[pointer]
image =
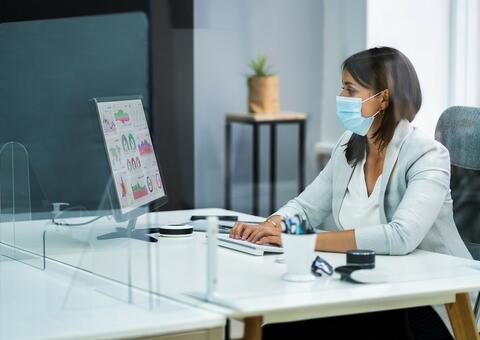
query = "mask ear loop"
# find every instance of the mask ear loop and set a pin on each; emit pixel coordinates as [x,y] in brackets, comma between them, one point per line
[376,113]
[366,100]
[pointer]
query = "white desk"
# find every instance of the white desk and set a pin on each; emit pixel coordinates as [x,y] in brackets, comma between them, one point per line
[250,287]
[63,303]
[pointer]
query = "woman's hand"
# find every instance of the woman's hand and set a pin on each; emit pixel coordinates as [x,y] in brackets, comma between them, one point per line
[263,233]
[242,230]
[267,235]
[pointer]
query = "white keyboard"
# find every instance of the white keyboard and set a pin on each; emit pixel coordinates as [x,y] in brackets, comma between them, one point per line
[247,247]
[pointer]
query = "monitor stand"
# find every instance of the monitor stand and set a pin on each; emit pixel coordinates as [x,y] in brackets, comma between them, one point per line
[131,232]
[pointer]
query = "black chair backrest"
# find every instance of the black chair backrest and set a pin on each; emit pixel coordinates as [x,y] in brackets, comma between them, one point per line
[459,130]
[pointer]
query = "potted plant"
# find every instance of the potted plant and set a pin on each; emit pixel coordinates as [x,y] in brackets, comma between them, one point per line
[262,88]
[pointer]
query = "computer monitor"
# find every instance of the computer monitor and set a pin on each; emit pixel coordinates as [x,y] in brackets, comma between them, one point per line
[136,179]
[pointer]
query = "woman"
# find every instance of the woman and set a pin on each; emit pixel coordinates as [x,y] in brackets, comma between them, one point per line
[386,184]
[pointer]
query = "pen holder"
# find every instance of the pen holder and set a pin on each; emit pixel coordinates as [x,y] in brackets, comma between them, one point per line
[299,253]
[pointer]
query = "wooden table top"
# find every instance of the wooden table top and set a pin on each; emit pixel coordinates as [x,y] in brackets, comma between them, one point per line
[266,117]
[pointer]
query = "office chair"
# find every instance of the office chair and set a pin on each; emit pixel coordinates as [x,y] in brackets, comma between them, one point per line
[458,129]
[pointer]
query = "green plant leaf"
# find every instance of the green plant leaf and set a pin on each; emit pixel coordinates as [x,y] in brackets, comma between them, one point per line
[259,66]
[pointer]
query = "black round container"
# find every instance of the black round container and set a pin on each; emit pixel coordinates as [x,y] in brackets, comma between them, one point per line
[361,258]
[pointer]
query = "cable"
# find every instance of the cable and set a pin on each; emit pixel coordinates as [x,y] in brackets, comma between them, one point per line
[73,224]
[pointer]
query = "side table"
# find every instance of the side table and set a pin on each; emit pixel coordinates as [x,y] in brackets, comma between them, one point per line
[255,120]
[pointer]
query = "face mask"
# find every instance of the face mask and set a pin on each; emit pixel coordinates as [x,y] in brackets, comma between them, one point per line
[349,113]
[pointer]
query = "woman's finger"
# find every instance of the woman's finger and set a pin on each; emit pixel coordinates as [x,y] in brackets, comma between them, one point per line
[243,228]
[266,231]
[247,232]
[273,239]
[232,231]
[253,234]
[261,233]
[238,229]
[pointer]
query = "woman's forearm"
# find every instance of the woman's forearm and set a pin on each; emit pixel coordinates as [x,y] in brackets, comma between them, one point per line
[333,241]
[336,241]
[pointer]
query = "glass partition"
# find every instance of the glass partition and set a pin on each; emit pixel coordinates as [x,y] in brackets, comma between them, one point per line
[21,242]
[87,173]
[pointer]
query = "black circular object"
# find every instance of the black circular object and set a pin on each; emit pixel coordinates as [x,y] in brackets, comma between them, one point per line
[361,258]
[175,230]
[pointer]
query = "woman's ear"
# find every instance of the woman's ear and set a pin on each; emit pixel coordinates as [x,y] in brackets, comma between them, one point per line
[385,99]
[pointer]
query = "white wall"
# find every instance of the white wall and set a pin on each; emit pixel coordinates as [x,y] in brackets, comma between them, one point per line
[344,33]
[465,52]
[419,29]
[478,54]
[228,34]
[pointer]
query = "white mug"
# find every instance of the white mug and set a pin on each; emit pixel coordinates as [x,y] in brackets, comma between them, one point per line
[299,252]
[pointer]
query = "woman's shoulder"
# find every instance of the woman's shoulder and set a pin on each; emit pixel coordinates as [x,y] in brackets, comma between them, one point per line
[342,142]
[421,148]
[420,142]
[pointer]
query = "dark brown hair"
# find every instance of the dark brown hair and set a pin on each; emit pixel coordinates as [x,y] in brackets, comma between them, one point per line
[378,69]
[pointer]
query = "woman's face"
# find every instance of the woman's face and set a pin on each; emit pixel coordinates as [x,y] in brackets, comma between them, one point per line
[352,88]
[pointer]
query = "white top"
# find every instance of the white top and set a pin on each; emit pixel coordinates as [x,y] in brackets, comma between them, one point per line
[358,209]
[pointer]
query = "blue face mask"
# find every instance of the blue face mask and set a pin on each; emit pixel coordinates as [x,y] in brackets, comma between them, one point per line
[349,113]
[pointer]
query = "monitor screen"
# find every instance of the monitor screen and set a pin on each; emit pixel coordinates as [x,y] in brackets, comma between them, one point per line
[134,169]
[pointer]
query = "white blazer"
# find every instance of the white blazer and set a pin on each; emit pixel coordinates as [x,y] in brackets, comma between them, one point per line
[415,201]
[416,207]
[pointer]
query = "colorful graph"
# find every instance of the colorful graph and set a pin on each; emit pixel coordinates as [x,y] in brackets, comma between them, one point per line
[131,141]
[145,147]
[115,152]
[149,184]
[126,146]
[123,188]
[134,164]
[139,191]
[108,125]
[121,116]
[128,143]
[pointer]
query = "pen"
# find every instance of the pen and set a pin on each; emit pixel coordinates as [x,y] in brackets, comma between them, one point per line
[301,226]
[293,226]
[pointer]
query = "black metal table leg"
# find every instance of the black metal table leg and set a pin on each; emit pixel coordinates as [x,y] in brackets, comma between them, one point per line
[301,157]
[228,165]
[255,169]
[273,166]
[256,122]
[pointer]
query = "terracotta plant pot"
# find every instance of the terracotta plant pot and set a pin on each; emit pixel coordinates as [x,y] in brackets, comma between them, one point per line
[263,95]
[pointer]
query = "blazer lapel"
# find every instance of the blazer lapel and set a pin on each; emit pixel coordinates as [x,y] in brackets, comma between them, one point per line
[342,174]
[402,131]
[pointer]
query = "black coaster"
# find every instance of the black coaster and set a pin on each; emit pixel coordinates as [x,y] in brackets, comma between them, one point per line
[175,230]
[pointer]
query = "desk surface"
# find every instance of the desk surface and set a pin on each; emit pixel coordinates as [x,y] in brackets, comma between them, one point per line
[251,286]
[62,302]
